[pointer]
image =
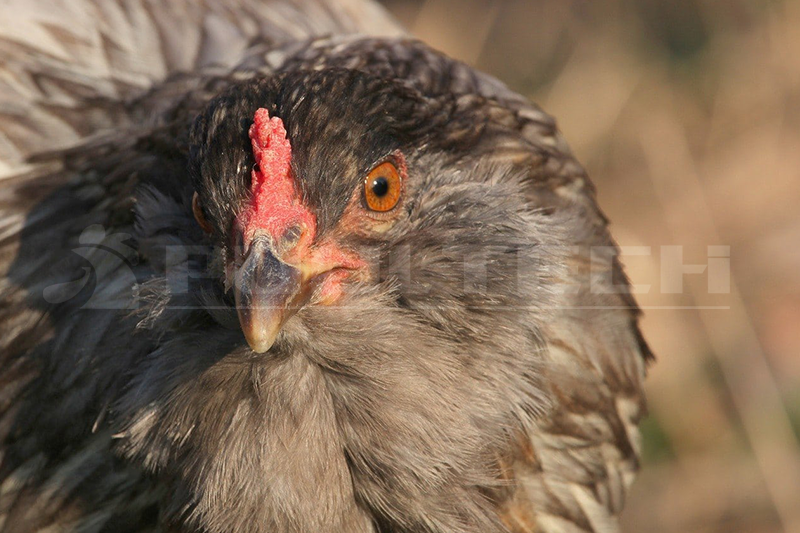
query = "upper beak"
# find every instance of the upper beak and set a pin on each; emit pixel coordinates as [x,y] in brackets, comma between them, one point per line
[267,292]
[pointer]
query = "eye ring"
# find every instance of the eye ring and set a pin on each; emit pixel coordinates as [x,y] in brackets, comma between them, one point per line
[383,187]
[197,211]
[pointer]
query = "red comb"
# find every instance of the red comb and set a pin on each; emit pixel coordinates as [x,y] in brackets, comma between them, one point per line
[276,202]
[271,149]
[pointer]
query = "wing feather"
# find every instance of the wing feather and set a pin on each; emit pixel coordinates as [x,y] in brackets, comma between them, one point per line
[66,65]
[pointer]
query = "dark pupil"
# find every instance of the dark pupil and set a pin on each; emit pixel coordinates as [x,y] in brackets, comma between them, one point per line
[380,186]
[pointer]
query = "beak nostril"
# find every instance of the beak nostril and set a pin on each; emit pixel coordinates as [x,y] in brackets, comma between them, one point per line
[288,241]
[292,236]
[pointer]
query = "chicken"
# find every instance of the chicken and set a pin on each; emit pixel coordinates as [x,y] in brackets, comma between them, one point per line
[273,266]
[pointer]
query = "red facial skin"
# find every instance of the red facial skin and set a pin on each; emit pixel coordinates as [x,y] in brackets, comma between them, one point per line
[277,205]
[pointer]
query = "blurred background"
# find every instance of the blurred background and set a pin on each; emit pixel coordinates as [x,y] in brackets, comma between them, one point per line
[685,114]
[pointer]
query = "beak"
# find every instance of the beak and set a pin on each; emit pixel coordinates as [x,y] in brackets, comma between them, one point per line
[267,292]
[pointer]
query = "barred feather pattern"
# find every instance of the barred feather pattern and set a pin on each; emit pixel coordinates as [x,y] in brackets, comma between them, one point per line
[94,97]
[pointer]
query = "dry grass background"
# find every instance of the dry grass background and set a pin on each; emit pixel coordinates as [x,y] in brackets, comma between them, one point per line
[686,114]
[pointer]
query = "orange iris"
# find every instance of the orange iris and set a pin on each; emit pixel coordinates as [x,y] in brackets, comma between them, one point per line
[197,209]
[383,187]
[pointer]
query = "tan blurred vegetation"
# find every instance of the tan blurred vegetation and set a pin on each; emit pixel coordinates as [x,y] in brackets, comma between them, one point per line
[686,115]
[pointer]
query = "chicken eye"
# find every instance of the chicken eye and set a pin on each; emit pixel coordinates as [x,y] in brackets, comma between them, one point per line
[383,187]
[197,209]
